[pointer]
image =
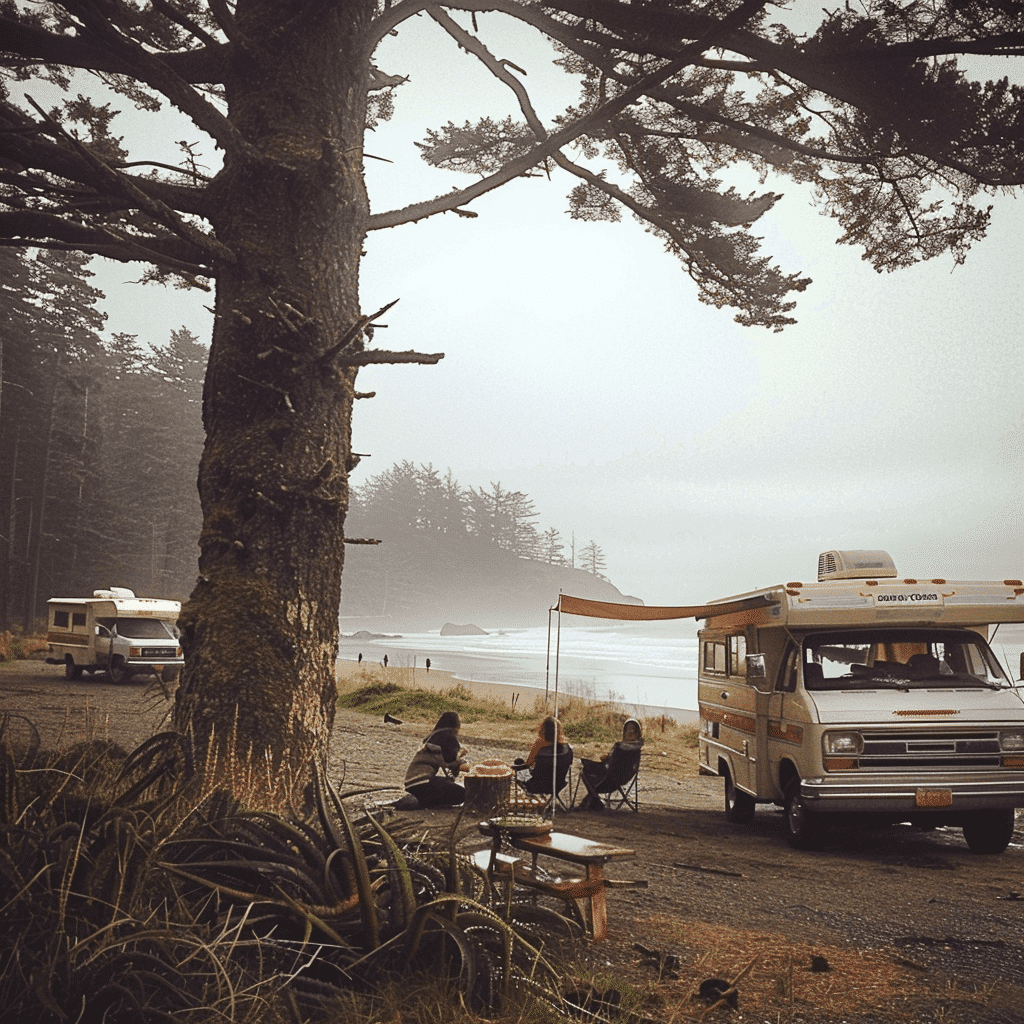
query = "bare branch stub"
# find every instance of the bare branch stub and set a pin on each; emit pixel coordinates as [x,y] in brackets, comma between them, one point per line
[379,356]
[361,540]
[351,334]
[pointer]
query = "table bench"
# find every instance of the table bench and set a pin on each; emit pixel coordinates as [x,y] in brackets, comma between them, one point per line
[587,894]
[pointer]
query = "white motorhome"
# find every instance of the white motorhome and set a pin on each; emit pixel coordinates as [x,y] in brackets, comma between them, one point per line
[863,693]
[114,632]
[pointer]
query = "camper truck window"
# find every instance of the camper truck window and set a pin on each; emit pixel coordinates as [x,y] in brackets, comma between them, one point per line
[738,655]
[78,618]
[787,674]
[714,658]
[899,659]
[60,619]
[144,629]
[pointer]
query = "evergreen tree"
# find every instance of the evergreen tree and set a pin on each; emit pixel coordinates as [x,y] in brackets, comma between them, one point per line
[592,559]
[552,547]
[178,369]
[50,350]
[871,107]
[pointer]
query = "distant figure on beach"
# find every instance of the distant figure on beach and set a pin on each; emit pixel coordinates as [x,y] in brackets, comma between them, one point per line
[549,744]
[440,750]
[605,775]
[428,664]
[385,661]
[360,659]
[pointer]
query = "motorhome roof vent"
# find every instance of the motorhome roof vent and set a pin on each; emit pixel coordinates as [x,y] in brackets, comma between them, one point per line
[855,565]
[115,592]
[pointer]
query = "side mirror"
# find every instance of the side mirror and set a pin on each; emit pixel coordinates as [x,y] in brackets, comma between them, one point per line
[757,671]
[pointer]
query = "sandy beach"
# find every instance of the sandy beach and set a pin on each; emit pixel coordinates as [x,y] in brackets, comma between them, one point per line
[352,674]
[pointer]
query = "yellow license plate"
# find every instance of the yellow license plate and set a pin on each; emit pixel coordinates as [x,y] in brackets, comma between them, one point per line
[933,798]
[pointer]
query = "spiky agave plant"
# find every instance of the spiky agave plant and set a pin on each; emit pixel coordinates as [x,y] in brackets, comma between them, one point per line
[358,902]
[123,901]
[89,933]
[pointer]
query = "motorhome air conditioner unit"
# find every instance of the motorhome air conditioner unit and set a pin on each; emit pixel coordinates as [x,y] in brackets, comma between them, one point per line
[855,565]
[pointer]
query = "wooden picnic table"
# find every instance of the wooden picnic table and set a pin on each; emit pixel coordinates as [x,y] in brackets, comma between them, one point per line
[588,892]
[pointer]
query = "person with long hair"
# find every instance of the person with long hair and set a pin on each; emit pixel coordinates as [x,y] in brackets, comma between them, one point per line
[441,750]
[549,744]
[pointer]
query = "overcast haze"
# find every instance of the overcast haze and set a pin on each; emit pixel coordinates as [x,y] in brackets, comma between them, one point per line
[704,458]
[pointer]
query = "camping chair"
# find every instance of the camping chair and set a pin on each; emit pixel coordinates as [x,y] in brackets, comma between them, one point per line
[619,786]
[538,780]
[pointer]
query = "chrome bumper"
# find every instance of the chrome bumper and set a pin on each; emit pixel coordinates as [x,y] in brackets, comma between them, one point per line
[889,794]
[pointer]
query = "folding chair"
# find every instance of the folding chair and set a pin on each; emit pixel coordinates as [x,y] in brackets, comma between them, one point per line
[538,781]
[619,786]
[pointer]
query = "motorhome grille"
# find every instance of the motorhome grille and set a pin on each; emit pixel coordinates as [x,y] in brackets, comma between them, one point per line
[884,751]
[161,652]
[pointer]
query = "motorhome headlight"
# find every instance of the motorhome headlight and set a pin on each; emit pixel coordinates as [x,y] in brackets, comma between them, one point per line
[134,652]
[843,744]
[1011,740]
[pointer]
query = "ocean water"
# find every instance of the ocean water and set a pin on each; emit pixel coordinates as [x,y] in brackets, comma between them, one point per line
[652,665]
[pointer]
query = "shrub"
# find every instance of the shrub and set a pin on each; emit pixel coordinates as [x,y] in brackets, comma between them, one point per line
[17,646]
[127,898]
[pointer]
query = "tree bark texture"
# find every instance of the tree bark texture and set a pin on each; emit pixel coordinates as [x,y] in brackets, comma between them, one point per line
[260,630]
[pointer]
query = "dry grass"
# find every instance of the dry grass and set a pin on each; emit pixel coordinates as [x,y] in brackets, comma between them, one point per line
[16,646]
[506,715]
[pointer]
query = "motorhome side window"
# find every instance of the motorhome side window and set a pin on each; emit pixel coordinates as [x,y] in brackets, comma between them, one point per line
[78,618]
[726,657]
[60,619]
[738,655]
[714,657]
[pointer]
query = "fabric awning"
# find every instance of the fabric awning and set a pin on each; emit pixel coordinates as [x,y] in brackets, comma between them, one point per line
[648,613]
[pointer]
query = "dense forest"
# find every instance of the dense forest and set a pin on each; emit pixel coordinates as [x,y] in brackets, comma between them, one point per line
[454,553]
[100,439]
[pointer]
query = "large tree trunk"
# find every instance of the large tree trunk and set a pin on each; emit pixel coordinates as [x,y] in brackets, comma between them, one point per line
[260,630]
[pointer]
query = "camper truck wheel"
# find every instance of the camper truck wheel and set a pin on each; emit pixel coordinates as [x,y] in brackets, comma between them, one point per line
[802,826]
[117,671]
[739,806]
[989,831]
[71,670]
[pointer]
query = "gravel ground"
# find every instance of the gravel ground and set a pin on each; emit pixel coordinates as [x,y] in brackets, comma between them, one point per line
[912,926]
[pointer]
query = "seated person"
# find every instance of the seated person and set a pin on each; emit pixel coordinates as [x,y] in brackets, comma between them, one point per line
[614,769]
[550,743]
[441,749]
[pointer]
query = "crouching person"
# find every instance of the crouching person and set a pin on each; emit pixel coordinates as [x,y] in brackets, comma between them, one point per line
[441,751]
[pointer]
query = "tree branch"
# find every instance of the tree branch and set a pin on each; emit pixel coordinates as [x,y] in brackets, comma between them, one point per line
[380,356]
[122,185]
[23,146]
[31,227]
[352,333]
[38,45]
[151,69]
[553,143]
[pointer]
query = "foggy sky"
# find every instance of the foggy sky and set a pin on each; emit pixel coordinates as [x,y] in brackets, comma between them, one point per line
[705,458]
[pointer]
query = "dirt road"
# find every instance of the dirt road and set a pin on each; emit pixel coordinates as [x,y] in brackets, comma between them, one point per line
[911,925]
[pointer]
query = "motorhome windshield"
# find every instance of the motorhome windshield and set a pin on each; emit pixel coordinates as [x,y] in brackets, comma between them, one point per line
[144,629]
[899,659]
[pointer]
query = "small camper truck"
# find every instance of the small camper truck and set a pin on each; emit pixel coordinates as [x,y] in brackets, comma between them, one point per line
[865,694]
[114,632]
